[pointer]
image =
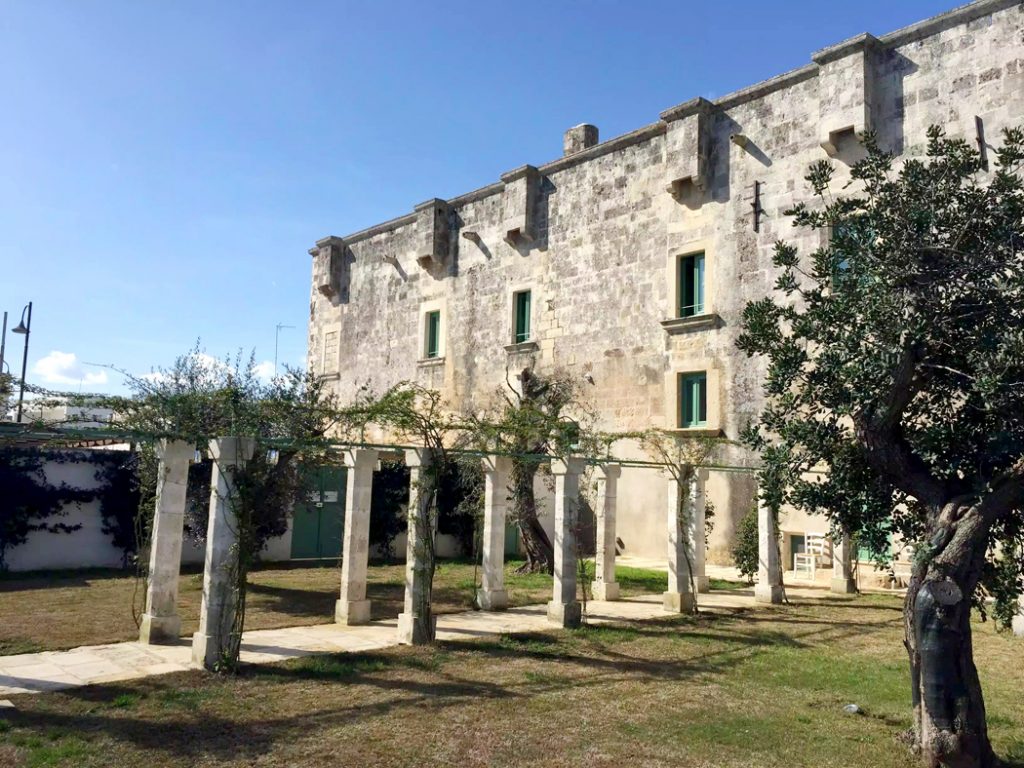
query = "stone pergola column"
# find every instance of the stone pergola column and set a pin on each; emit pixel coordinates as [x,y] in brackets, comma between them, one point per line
[414,628]
[769,567]
[492,595]
[217,614]
[843,582]
[697,533]
[353,607]
[605,586]
[564,609]
[160,622]
[1018,620]
[679,597]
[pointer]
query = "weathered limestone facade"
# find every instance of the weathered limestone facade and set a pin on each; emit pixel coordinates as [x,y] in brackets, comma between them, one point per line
[596,236]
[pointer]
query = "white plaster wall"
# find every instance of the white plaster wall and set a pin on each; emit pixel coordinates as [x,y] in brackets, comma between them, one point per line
[88,547]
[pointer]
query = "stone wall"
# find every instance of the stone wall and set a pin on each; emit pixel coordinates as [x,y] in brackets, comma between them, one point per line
[595,236]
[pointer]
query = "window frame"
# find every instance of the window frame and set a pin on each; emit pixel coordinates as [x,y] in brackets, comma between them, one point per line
[691,271]
[432,334]
[522,316]
[689,413]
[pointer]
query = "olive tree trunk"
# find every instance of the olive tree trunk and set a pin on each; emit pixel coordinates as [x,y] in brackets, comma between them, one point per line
[949,709]
[540,554]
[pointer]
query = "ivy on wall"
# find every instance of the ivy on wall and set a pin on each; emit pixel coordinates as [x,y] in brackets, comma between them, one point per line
[30,502]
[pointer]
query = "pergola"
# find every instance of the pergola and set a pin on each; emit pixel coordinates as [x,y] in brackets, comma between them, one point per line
[686,536]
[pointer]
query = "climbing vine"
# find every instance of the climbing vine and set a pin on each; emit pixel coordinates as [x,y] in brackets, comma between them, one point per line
[30,501]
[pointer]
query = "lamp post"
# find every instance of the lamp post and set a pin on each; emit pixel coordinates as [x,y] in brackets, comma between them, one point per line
[25,328]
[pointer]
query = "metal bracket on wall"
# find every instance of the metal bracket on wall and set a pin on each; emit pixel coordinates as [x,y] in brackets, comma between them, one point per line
[979,128]
[756,206]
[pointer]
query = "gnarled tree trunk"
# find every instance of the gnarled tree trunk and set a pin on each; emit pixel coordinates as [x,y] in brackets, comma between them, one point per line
[540,554]
[949,709]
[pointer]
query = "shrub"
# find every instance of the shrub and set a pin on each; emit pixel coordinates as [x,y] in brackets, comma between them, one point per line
[744,550]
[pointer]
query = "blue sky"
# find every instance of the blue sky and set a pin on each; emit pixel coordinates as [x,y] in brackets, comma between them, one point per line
[164,166]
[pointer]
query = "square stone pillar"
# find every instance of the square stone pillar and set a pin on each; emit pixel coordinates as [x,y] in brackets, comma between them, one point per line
[160,622]
[696,532]
[769,568]
[564,609]
[416,623]
[353,607]
[1018,620]
[843,582]
[605,585]
[217,614]
[679,597]
[492,595]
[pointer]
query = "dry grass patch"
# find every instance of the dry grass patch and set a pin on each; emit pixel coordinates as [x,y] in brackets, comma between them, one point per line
[59,610]
[751,688]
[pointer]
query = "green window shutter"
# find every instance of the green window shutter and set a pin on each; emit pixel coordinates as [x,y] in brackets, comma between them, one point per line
[522,304]
[698,284]
[433,333]
[691,285]
[693,397]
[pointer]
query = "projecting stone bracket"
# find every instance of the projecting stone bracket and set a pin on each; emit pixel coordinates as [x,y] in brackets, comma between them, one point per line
[845,90]
[432,233]
[688,147]
[330,275]
[518,204]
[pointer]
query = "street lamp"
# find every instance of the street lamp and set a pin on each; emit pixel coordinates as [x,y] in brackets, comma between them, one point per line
[25,328]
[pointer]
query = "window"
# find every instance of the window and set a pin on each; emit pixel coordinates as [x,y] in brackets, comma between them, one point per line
[329,364]
[691,285]
[433,334]
[693,400]
[521,302]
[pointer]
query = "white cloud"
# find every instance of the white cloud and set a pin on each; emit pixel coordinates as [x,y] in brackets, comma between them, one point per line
[65,368]
[264,370]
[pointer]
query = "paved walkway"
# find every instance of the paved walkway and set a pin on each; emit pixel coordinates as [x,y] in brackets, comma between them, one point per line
[53,670]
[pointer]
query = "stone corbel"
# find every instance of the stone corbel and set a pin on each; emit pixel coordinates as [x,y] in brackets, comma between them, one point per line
[845,89]
[688,146]
[328,257]
[431,238]
[519,199]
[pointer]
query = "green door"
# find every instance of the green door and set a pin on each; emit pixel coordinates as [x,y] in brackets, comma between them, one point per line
[511,539]
[318,525]
[332,513]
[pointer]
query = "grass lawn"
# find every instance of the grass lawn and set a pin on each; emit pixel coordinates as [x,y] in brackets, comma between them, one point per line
[53,611]
[762,687]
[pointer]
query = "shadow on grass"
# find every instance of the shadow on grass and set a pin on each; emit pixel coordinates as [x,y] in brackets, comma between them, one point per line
[195,718]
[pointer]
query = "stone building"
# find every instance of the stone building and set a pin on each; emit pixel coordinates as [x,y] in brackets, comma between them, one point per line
[628,261]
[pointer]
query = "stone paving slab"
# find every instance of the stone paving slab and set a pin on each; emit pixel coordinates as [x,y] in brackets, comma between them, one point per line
[88,665]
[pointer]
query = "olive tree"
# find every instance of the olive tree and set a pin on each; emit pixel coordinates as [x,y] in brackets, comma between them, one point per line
[895,359]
